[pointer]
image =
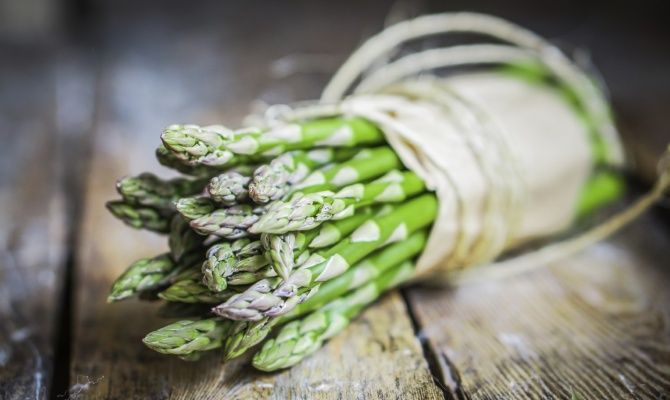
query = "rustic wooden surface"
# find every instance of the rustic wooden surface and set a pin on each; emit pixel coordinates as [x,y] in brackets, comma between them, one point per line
[31,229]
[77,114]
[593,326]
[43,122]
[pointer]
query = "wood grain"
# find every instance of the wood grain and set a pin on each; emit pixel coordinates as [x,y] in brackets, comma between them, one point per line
[593,326]
[46,108]
[377,357]
[32,231]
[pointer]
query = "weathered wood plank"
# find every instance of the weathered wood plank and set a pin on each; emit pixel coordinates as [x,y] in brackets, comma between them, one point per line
[32,231]
[593,326]
[209,78]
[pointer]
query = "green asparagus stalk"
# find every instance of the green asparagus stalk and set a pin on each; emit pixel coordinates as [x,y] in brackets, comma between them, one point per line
[602,188]
[139,217]
[284,250]
[272,181]
[217,146]
[228,223]
[187,336]
[167,159]
[307,211]
[147,275]
[188,288]
[249,277]
[244,306]
[280,250]
[182,240]
[150,191]
[225,260]
[331,232]
[300,338]
[367,164]
[220,258]
[143,274]
[195,207]
[323,266]
[229,188]
[245,334]
[194,144]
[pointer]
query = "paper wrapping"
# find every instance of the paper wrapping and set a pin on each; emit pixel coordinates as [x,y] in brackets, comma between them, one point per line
[507,159]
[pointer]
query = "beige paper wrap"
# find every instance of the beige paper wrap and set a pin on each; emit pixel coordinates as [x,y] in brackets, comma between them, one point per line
[506,158]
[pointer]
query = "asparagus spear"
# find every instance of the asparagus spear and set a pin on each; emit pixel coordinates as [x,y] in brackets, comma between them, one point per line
[195,206]
[323,266]
[139,217]
[143,274]
[188,288]
[182,239]
[167,159]
[225,260]
[245,334]
[331,232]
[148,190]
[307,211]
[217,146]
[229,188]
[193,144]
[147,275]
[367,164]
[284,250]
[187,336]
[272,181]
[244,304]
[229,223]
[219,257]
[249,277]
[300,338]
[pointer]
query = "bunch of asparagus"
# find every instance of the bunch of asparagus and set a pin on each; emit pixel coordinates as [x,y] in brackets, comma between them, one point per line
[285,233]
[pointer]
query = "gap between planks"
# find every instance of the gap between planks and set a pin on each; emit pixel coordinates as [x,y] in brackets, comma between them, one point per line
[76,146]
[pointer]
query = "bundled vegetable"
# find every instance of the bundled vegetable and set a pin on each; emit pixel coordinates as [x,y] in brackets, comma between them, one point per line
[287,231]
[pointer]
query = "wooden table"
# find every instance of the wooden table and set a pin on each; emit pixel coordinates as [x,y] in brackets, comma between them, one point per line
[82,109]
